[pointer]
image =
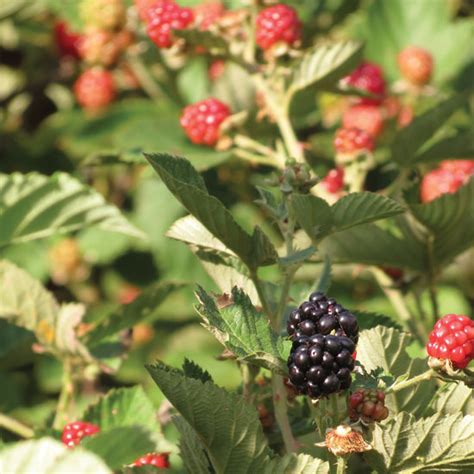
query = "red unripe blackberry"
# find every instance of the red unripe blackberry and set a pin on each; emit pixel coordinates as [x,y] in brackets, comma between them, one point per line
[369,78]
[160,460]
[334,180]
[74,432]
[67,40]
[94,89]
[367,405]
[416,65]
[277,24]
[443,180]
[142,7]
[364,117]
[452,338]
[352,141]
[164,16]
[461,167]
[201,121]
[103,47]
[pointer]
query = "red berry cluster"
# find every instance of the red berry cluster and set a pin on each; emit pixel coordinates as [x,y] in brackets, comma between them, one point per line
[352,141]
[202,121]
[74,432]
[366,117]
[447,178]
[95,89]
[368,77]
[164,16]
[333,182]
[160,460]
[416,65]
[367,405]
[452,338]
[277,24]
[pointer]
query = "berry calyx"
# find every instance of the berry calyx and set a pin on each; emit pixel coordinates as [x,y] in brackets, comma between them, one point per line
[452,338]
[367,405]
[353,141]
[368,118]
[277,24]
[160,460]
[202,121]
[74,432]
[416,65]
[67,40]
[164,16]
[94,89]
[369,78]
[333,182]
[103,14]
[448,178]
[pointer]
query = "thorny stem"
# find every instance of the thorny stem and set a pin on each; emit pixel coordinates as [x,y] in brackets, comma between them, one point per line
[341,465]
[247,379]
[65,396]
[429,374]
[15,426]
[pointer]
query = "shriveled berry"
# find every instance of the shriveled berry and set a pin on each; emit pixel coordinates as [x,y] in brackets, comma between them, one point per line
[369,78]
[94,89]
[353,141]
[368,405]
[416,65]
[277,24]
[202,121]
[452,338]
[74,432]
[164,16]
[160,460]
[366,117]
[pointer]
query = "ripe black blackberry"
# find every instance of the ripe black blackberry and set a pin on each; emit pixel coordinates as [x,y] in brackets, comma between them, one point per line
[321,364]
[322,315]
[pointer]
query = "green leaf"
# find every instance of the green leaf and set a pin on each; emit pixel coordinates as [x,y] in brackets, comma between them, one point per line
[126,316]
[296,464]
[120,445]
[298,257]
[191,449]
[369,320]
[48,456]
[436,444]
[313,214]
[242,330]
[460,145]
[409,139]
[193,80]
[451,399]
[227,426]
[34,206]
[192,370]
[385,348]
[370,245]
[361,208]
[324,64]
[187,186]
[12,336]
[123,407]
[450,219]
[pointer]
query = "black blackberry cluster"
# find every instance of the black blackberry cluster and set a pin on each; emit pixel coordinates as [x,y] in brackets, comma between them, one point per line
[322,315]
[324,338]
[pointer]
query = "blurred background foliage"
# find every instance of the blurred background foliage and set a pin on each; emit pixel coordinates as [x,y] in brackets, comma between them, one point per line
[43,130]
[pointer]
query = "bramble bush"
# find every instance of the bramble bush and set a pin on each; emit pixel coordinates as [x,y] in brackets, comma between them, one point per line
[293,177]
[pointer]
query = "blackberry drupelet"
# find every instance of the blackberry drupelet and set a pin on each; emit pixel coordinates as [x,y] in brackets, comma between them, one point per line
[321,364]
[322,315]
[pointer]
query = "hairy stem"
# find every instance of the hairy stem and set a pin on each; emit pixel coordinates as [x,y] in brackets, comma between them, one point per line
[15,426]
[147,83]
[65,397]
[341,465]
[429,374]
